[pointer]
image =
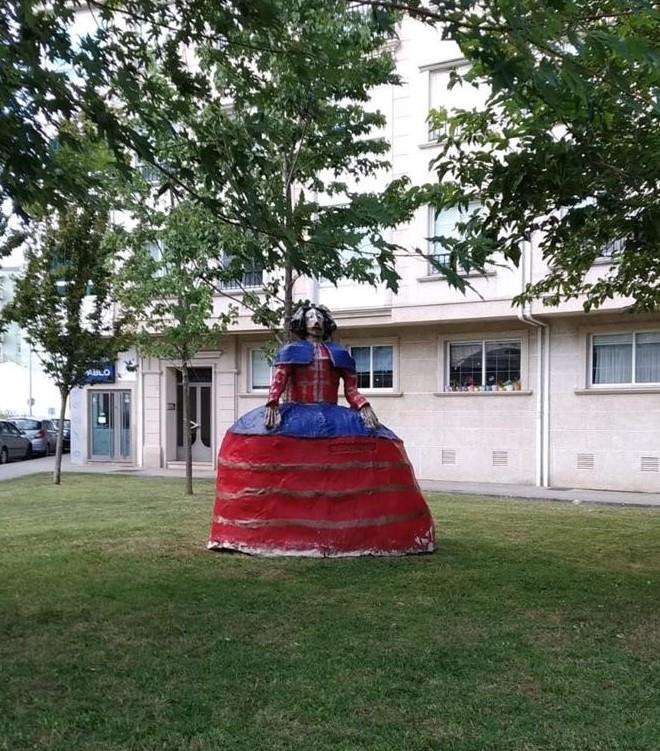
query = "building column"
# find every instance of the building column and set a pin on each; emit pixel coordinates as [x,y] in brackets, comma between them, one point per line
[151,378]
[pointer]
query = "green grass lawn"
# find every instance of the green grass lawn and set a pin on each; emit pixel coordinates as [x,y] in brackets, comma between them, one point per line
[534,626]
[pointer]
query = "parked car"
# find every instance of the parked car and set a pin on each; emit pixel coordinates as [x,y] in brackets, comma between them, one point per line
[52,426]
[35,431]
[13,444]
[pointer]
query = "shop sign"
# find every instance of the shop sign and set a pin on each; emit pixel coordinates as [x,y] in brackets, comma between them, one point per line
[102,373]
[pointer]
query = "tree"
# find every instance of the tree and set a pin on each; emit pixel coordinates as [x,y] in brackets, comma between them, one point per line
[160,292]
[298,74]
[274,137]
[63,300]
[567,146]
[56,69]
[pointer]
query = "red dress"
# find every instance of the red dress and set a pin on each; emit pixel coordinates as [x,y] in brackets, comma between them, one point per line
[321,484]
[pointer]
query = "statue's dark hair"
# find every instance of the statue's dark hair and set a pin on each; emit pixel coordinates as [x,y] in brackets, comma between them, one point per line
[299,328]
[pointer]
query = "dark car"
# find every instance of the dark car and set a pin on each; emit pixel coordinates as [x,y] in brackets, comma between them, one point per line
[13,444]
[52,426]
[35,431]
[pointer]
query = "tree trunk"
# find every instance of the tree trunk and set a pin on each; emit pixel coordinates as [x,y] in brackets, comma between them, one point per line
[57,470]
[287,176]
[288,297]
[187,445]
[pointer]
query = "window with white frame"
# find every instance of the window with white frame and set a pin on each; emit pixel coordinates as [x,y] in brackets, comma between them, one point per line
[462,96]
[614,248]
[484,365]
[260,370]
[252,277]
[628,358]
[374,366]
[440,96]
[443,224]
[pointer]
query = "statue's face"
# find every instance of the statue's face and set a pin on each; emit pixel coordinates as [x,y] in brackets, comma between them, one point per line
[314,322]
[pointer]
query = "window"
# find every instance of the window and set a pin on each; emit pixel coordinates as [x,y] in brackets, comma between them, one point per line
[259,370]
[440,95]
[374,366]
[613,248]
[484,366]
[252,277]
[611,252]
[461,96]
[149,173]
[625,358]
[443,224]
[155,250]
[25,424]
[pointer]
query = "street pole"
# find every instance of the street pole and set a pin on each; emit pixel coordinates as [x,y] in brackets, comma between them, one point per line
[30,380]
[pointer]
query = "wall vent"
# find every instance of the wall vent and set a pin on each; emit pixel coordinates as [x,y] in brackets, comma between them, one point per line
[500,458]
[650,464]
[585,461]
[448,456]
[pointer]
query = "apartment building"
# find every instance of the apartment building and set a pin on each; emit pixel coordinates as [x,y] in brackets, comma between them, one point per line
[24,386]
[478,389]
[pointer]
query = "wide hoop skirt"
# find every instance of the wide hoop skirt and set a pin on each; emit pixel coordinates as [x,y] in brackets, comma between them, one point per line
[320,485]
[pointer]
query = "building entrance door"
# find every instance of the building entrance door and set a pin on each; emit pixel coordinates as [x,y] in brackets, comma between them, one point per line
[110,425]
[200,415]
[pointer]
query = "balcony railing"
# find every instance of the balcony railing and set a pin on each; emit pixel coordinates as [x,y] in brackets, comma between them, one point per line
[250,280]
[441,257]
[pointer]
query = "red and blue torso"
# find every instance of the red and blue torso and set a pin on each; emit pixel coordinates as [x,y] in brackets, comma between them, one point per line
[308,373]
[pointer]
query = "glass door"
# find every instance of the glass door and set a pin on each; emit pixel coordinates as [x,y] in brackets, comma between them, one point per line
[102,424]
[124,421]
[110,425]
[200,415]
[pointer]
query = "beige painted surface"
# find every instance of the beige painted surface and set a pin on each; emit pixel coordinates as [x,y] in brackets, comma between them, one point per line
[618,428]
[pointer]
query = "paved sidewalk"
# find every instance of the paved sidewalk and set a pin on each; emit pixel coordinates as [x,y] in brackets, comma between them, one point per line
[45,464]
[579,495]
[499,490]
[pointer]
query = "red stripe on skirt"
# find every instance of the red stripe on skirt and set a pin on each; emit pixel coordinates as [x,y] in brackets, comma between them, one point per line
[351,507]
[277,448]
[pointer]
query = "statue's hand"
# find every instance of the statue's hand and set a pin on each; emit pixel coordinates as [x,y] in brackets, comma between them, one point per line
[369,417]
[272,417]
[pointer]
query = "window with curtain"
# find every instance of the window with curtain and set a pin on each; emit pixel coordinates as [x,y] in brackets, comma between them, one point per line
[625,358]
[374,366]
[486,365]
[647,357]
[259,371]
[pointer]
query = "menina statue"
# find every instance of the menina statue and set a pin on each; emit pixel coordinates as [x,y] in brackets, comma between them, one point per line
[310,477]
